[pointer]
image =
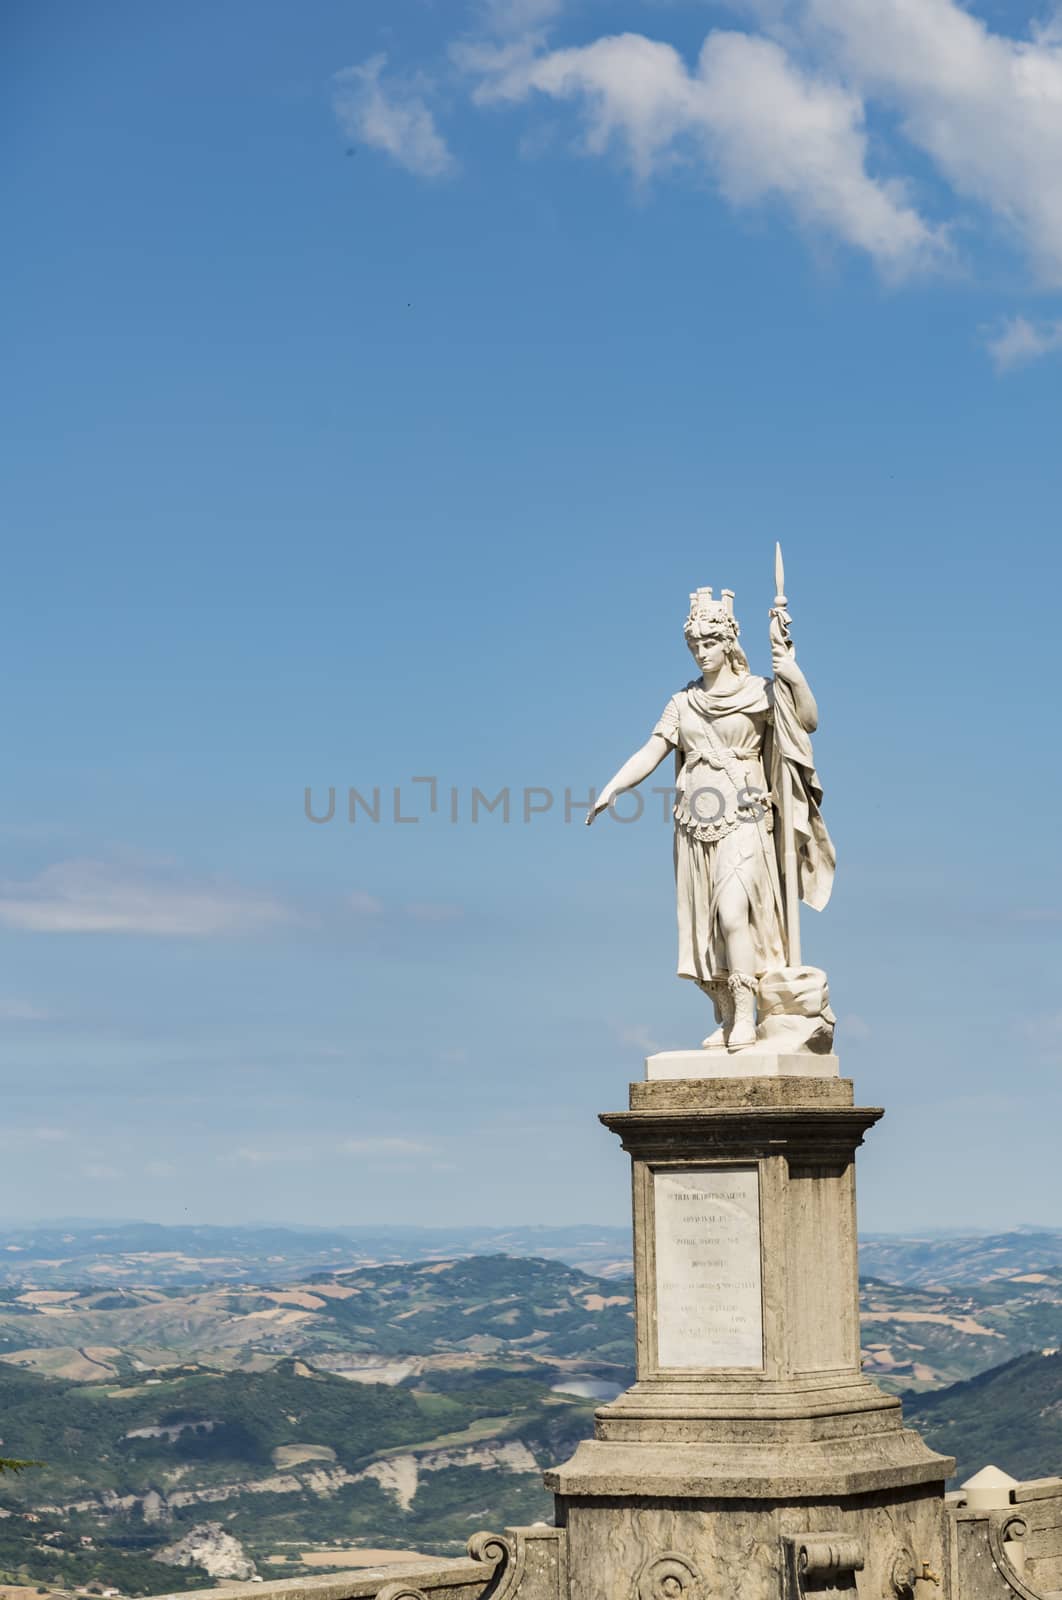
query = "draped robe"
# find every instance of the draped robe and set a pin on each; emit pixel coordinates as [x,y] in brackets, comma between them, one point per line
[726,747]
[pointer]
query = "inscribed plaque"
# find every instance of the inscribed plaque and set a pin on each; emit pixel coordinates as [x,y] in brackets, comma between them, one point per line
[708,1277]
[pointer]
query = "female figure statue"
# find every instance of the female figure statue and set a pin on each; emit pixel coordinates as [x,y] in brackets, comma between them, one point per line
[740,742]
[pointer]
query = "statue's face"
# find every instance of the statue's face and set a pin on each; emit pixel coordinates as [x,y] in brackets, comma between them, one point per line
[709,651]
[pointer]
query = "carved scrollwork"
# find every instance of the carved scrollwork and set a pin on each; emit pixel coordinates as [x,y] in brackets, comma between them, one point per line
[492,1548]
[538,1553]
[399,1591]
[670,1577]
[1008,1527]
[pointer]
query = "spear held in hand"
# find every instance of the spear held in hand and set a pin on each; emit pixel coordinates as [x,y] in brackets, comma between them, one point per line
[779,630]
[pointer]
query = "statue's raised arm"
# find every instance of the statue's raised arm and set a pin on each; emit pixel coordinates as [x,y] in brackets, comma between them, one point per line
[750,842]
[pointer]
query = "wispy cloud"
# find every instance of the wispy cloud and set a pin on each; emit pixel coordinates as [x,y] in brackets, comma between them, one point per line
[519,16]
[435,911]
[97,897]
[636,1036]
[638,97]
[777,111]
[985,107]
[366,905]
[392,115]
[385,1148]
[42,1135]
[1017,342]
[21,1011]
[284,1156]
[100,1171]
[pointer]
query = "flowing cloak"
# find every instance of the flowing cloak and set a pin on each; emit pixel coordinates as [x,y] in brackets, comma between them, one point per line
[789,743]
[725,746]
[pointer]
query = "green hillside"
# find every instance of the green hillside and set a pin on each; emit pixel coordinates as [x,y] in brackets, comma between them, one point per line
[924,1338]
[1010,1416]
[291,1459]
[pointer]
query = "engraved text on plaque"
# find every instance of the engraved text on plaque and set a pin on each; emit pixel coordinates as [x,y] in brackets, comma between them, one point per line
[708,1280]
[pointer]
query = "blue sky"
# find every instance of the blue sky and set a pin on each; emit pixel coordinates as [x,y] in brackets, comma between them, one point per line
[380,380]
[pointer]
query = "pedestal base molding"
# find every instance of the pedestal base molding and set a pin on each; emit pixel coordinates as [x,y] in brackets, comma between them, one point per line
[603,1468]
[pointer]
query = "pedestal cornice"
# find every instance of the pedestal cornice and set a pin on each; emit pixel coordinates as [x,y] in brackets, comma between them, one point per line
[813,1133]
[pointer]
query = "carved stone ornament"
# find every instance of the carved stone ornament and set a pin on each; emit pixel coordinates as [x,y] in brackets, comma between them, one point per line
[399,1591]
[492,1548]
[1007,1529]
[904,1574]
[670,1577]
[526,1561]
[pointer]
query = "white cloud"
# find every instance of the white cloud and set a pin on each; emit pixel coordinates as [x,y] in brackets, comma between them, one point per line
[519,16]
[387,1149]
[100,1170]
[435,911]
[391,116]
[97,897]
[985,107]
[637,1036]
[779,110]
[21,1011]
[365,905]
[262,1158]
[1015,344]
[766,128]
[16,1136]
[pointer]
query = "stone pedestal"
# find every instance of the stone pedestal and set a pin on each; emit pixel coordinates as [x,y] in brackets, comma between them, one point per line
[751,1457]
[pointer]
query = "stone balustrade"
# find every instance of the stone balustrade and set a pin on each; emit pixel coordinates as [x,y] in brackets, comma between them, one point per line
[422,1580]
[1009,1543]
[529,1562]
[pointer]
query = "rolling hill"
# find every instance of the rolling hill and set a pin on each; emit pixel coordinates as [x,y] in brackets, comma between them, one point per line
[403,1404]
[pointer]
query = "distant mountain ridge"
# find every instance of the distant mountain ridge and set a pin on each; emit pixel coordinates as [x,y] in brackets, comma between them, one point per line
[50,1255]
[961,1258]
[161,1254]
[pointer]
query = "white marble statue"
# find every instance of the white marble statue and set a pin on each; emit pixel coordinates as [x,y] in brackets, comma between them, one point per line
[750,841]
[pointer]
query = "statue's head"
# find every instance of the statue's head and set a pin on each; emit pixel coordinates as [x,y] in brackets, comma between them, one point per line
[712,632]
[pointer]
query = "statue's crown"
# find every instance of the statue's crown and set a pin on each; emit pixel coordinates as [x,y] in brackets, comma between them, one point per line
[708,613]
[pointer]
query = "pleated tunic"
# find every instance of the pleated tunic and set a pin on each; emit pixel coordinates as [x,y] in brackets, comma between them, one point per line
[723,822]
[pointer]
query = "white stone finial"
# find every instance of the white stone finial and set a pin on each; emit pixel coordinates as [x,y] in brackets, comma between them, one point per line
[989,1489]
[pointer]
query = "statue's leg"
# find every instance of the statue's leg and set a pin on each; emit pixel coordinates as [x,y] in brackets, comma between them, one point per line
[735,925]
[718,992]
[743,990]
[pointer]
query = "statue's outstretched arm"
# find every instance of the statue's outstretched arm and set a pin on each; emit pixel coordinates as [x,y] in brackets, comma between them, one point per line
[632,772]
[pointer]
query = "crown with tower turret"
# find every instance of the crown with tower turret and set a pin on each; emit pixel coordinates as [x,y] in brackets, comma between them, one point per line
[709,615]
